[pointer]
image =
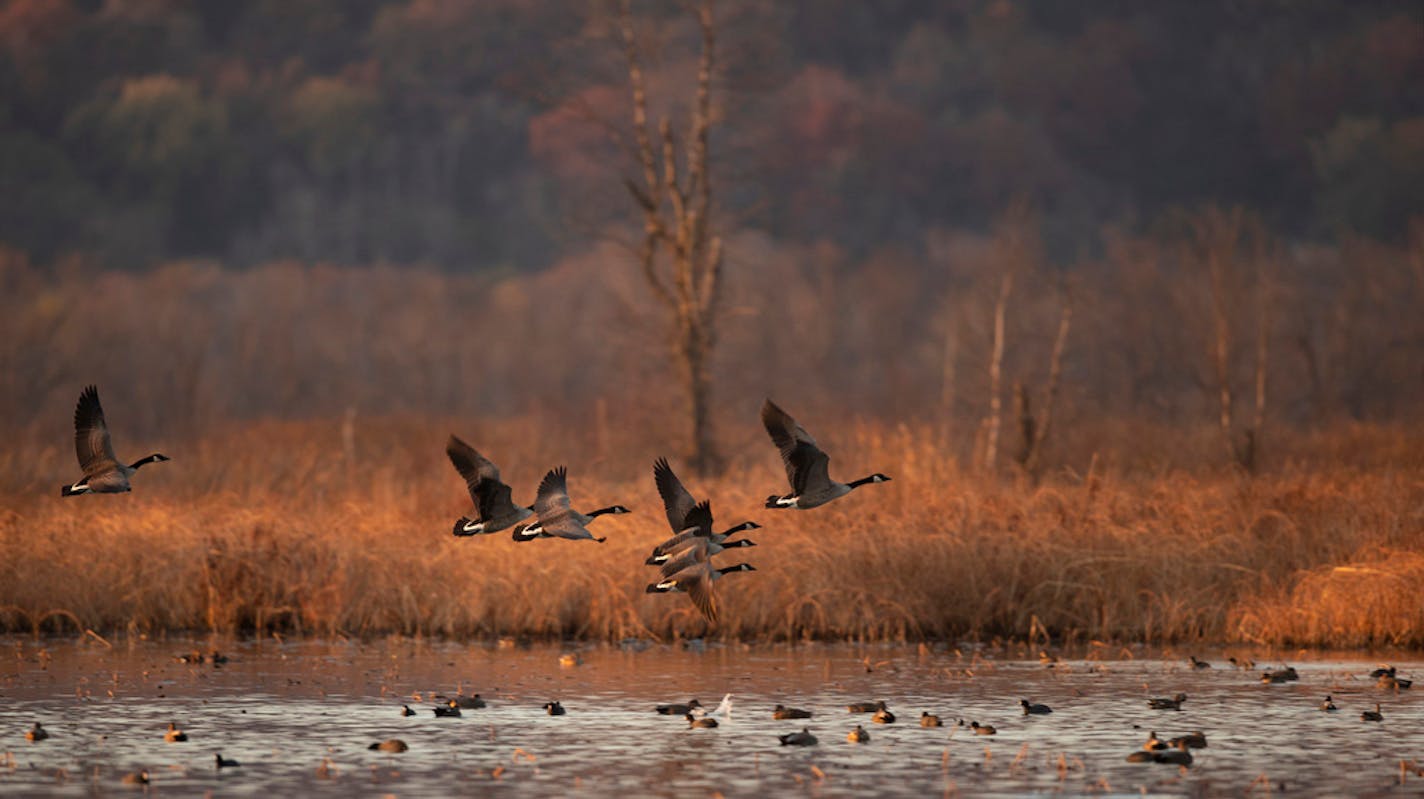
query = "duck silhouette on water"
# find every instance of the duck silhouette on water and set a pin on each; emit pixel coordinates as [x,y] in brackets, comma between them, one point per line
[784,713]
[1165,703]
[802,738]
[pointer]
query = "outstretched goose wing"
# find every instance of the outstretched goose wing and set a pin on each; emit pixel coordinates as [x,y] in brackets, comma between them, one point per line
[677,501]
[491,496]
[806,465]
[91,434]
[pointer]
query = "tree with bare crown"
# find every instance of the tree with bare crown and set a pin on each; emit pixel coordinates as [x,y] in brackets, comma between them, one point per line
[681,251]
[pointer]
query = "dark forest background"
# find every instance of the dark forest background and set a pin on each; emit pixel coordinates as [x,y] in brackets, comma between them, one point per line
[240,210]
[446,133]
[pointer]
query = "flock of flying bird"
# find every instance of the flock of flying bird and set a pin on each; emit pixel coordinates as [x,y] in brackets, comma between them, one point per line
[684,560]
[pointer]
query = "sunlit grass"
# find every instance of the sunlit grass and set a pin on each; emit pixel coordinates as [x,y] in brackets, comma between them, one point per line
[274,526]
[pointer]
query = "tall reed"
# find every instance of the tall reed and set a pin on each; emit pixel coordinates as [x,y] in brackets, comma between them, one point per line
[279,526]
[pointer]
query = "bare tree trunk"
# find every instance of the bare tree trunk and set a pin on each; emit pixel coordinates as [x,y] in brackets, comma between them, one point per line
[1217,235]
[1023,411]
[996,362]
[1033,461]
[1263,326]
[948,387]
[676,210]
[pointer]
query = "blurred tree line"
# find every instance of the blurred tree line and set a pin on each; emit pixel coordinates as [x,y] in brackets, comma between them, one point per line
[465,134]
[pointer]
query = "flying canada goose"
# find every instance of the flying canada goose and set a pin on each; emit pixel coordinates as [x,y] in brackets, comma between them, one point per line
[806,465]
[1164,703]
[103,474]
[696,551]
[866,707]
[680,507]
[858,735]
[678,710]
[1328,705]
[1034,709]
[174,735]
[392,746]
[136,778]
[556,516]
[554,708]
[1372,715]
[1192,740]
[700,722]
[223,762]
[784,713]
[697,581]
[494,508]
[802,738]
[930,720]
[36,733]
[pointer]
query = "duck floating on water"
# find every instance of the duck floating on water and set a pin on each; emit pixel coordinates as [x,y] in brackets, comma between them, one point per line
[802,738]
[1165,703]
[784,713]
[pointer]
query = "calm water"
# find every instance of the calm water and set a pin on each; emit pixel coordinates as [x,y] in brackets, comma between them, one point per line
[282,708]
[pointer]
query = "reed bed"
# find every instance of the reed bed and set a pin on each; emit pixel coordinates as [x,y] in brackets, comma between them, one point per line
[291,527]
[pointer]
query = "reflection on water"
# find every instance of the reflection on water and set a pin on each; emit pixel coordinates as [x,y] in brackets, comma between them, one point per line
[283,708]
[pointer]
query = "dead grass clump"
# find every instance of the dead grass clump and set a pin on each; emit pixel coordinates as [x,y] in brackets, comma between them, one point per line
[1376,598]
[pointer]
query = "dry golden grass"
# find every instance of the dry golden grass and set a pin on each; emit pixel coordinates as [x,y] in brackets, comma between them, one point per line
[273,526]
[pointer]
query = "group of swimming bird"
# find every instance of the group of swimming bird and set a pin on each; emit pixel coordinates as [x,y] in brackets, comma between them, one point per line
[684,560]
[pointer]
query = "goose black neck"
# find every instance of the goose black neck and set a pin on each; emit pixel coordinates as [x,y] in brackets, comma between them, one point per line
[737,568]
[154,458]
[739,528]
[862,481]
[602,511]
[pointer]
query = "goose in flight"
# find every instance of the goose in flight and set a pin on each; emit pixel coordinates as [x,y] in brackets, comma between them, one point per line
[806,464]
[697,581]
[103,473]
[686,517]
[556,516]
[494,508]
[697,551]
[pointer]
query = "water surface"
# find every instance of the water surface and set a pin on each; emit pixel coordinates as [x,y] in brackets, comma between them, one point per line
[281,709]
